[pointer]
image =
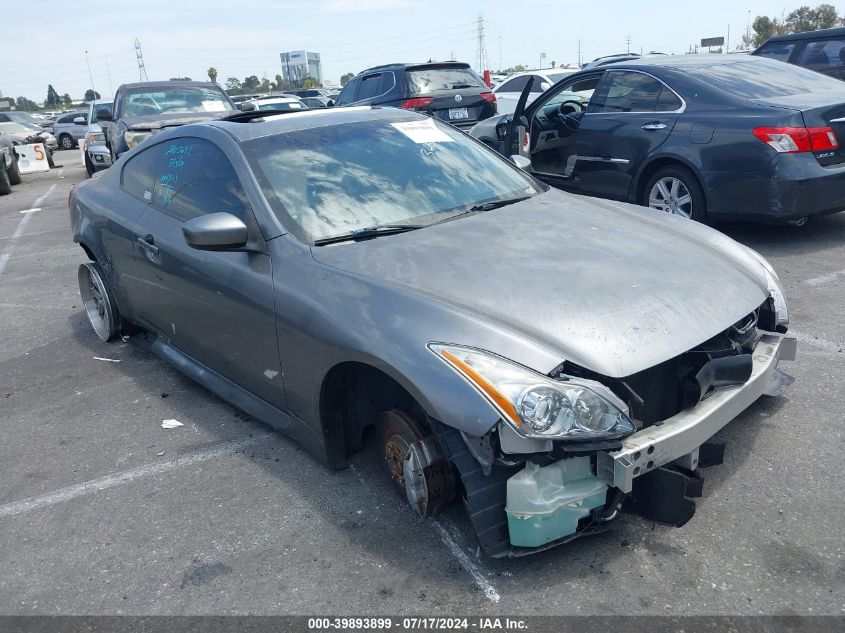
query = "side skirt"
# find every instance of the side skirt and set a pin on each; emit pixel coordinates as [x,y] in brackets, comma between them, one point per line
[236,395]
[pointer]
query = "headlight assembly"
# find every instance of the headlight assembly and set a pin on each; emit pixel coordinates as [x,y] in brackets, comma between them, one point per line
[537,406]
[775,289]
[96,138]
[133,138]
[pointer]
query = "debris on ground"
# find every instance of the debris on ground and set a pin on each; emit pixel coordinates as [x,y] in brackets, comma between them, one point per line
[171,424]
[108,360]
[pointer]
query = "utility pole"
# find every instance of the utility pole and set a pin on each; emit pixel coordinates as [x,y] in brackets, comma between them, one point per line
[108,74]
[628,43]
[90,74]
[500,53]
[483,61]
[139,55]
[728,45]
[579,53]
[748,25]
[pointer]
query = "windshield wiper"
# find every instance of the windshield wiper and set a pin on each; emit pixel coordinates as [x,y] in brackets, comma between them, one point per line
[495,204]
[368,233]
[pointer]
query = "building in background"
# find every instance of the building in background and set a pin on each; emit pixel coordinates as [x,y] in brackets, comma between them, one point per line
[297,65]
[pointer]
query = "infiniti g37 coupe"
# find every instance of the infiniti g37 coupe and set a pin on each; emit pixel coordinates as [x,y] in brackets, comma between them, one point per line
[708,137]
[511,344]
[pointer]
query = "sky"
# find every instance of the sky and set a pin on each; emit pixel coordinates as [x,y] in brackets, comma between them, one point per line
[244,37]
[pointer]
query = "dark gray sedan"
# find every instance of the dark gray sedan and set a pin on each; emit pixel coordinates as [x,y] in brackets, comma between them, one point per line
[549,359]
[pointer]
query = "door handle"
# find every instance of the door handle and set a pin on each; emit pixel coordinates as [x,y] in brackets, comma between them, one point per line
[654,125]
[148,244]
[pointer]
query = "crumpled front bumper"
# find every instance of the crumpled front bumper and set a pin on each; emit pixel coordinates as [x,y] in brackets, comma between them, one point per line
[681,435]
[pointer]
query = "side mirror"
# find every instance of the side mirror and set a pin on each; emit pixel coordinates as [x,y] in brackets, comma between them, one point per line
[545,86]
[521,161]
[502,128]
[215,232]
[80,120]
[104,114]
[248,107]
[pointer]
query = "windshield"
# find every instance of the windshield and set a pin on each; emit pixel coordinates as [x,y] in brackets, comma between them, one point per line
[174,100]
[761,80]
[99,106]
[25,118]
[282,105]
[329,181]
[432,79]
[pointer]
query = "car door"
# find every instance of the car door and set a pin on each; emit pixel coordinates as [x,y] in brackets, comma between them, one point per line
[630,115]
[367,89]
[217,307]
[551,143]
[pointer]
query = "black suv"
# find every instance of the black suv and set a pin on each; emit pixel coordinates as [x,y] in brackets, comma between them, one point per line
[822,51]
[449,91]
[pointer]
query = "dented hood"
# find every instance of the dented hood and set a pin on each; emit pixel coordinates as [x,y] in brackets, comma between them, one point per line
[609,286]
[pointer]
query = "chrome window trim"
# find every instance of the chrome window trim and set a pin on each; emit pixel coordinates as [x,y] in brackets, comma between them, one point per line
[379,73]
[655,112]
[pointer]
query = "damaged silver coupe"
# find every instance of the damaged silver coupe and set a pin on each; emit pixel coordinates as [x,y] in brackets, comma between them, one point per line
[550,360]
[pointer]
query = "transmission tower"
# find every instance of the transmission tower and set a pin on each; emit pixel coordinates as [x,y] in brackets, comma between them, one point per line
[142,72]
[483,61]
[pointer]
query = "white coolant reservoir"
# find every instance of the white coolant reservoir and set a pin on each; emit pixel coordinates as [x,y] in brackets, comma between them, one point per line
[546,503]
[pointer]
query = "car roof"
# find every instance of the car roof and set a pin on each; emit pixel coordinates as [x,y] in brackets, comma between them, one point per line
[309,119]
[807,35]
[169,84]
[418,66]
[279,99]
[683,61]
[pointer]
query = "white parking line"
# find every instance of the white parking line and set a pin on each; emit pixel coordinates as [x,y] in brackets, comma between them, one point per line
[466,562]
[814,341]
[455,550]
[117,479]
[7,253]
[824,279]
[33,210]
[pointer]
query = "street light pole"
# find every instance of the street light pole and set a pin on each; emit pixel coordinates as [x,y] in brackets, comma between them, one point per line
[90,74]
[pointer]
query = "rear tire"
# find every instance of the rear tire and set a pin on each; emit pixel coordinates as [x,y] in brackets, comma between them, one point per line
[66,141]
[5,185]
[98,301]
[14,172]
[674,189]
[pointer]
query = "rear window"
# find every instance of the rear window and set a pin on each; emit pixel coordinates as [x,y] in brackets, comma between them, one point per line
[432,79]
[761,80]
[189,99]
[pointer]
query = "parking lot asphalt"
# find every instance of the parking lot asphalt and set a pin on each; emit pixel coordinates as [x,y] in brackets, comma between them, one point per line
[104,512]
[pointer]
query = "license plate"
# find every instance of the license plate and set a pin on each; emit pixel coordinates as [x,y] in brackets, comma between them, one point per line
[458,113]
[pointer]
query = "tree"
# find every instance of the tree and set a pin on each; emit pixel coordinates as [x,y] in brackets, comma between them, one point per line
[181,79]
[22,103]
[280,83]
[250,84]
[233,84]
[310,82]
[212,74]
[825,16]
[345,79]
[801,20]
[66,100]
[91,95]
[53,98]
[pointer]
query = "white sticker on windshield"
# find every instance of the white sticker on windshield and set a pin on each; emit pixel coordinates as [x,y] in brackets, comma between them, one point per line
[423,131]
[213,106]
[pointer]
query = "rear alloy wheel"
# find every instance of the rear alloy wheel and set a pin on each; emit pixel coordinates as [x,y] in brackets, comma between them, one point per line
[675,190]
[14,172]
[98,302]
[397,433]
[66,141]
